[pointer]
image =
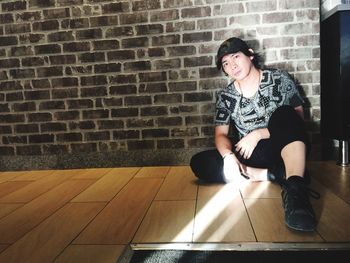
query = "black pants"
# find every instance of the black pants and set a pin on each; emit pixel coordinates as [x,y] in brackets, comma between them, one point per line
[285,126]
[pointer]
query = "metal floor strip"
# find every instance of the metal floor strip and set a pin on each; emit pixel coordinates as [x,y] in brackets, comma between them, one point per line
[249,246]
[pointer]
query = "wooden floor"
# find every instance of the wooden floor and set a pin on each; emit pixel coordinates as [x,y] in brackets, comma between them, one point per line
[93,215]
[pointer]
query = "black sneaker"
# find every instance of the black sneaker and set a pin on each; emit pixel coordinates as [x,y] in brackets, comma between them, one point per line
[298,211]
[307,177]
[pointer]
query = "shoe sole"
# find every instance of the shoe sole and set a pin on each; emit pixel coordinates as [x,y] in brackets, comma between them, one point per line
[296,228]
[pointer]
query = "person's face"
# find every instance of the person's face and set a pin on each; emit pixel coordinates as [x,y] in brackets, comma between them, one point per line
[237,65]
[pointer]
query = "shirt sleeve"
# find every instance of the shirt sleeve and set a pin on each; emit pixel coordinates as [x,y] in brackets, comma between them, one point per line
[293,96]
[223,114]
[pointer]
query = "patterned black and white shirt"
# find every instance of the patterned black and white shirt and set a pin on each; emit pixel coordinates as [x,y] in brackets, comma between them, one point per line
[276,89]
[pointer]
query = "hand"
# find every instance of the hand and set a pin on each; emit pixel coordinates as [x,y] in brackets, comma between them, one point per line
[231,168]
[253,174]
[247,144]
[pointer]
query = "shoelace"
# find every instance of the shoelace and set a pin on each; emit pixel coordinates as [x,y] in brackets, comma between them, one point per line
[311,192]
[295,201]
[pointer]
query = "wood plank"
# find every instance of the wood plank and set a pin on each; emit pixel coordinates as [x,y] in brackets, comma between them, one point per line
[92,173]
[19,222]
[32,175]
[3,247]
[9,187]
[118,222]
[221,215]
[153,171]
[40,246]
[6,176]
[267,218]
[91,254]
[179,184]
[71,172]
[36,188]
[334,177]
[167,221]
[6,209]
[261,190]
[333,215]
[108,186]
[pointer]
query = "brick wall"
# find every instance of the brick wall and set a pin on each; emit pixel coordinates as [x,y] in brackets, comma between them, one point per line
[98,82]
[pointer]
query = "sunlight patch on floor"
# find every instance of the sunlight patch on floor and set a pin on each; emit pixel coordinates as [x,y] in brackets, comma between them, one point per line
[220,212]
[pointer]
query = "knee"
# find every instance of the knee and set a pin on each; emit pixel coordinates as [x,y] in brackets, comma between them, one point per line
[285,117]
[284,112]
[196,163]
[207,165]
[194,160]
[286,126]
